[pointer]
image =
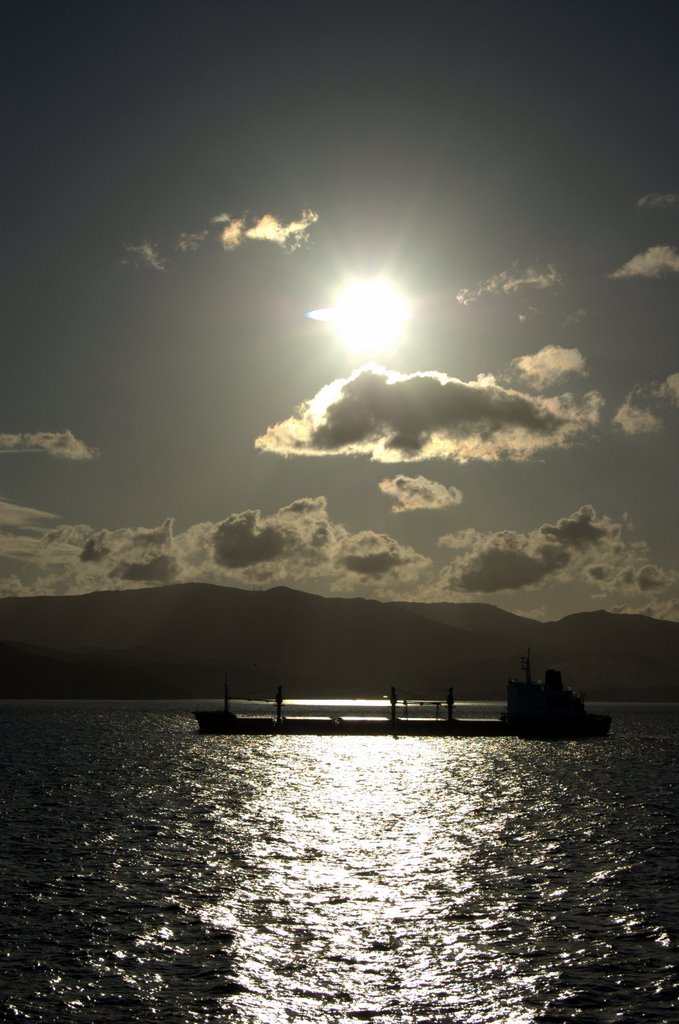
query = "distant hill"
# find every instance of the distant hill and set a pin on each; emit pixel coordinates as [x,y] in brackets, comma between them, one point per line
[41,674]
[477,618]
[178,640]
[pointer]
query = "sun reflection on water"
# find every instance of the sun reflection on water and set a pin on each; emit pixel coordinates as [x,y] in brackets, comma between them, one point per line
[284,880]
[363,890]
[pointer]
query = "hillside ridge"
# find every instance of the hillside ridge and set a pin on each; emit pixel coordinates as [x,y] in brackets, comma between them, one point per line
[184,636]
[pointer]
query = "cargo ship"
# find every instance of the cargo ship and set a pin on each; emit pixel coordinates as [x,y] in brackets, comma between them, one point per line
[534,711]
[224,721]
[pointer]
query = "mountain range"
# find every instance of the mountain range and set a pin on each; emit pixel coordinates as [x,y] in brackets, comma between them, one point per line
[177,642]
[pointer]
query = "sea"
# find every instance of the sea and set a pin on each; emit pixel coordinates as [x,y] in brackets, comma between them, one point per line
[151,873]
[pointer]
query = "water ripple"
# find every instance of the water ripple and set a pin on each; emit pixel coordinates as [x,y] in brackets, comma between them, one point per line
[151,873]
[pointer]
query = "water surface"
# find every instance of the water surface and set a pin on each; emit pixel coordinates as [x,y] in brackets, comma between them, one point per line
[151,873]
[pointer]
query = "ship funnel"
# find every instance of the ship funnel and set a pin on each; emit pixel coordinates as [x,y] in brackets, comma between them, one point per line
[553,679]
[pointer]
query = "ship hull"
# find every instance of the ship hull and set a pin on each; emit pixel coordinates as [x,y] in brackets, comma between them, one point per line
[526,727]
[555,727]
[217,723]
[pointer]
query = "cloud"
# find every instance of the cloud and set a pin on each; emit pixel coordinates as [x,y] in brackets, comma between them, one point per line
[11,586]
[582,529]
[61,445]
[633,420]
[394,417]
[549,365]
[646,577]
[527,314]
[670,388]
[580,546]
[268,228]
[290,236]
[298,543]
[21,531]
[633,417]
[301,541]
[416,492]
[14,516]
[507,561]
[659,199]
[575,317]
[157,569]
[374,555]
[654,262]
[137,554]
[232,231]
[244,539]
[190,241]
[657,609]
[144,254]
[509,281]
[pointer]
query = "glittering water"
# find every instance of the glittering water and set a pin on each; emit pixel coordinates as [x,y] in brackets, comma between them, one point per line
[151,873]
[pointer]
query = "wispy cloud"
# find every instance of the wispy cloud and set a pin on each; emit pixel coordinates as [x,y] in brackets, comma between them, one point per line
[509,281]
[233,231]
[144,254]
[191,241]
[13,516]
[661,200]
[268,228]
[669,389]
[632,419]
[636,415]
[527,314]
[409,493]
[11,586]
[658,609]
[571,319]
[61,445]
[654,262]
[549,365]
[394,417]
[21,531]
[290,236]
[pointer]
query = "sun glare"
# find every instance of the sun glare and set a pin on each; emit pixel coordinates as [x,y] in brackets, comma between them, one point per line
[369,316]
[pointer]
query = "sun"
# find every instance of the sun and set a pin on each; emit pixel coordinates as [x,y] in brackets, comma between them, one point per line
[369,316]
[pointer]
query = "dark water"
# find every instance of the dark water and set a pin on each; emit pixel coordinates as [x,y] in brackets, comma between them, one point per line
[153,874]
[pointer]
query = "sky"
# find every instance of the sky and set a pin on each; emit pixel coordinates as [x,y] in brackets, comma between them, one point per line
[183,182]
